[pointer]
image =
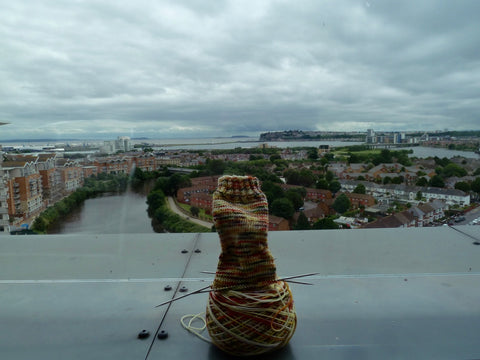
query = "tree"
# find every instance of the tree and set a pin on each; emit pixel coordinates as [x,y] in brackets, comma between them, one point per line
[194,211]
[295,198]
[437,181]
[215,167]
[155,200]
[422,182]
[398,179]
[334,186]
[177,181]
[282,207]
[419,195]
[463,185]
[302,222]
[325,223]
[341,203]
[272,191]
[453,169]
[322,184]
[312,154]
[476,185]
[360,189]
[329,175]
[387,180]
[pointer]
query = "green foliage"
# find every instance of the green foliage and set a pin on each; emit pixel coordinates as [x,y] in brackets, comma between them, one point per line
[155,200]
[398,180]
[329,175]
[177,181]
[453,169]
[215,167]
[304,177]
[463,185]
[341,203]
[441,162]
[194,211]
[272,191]
[295,198]
[322,184]
[419,195]
[325,223]
[282,207]
[312,153]
[475,185]
[421,182]
[334,186]
[302,222]
[360,189]
[437,181]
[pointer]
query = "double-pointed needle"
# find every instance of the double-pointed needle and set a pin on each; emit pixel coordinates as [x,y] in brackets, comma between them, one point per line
[202,290]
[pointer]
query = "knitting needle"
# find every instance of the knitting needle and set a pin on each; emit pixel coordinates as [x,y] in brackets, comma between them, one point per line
[183,296]
[285,278]
[288,279]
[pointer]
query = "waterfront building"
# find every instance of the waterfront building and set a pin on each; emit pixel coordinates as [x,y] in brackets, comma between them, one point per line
[122,144]
[24,184]
[71,175]
[4,194]
[51,178]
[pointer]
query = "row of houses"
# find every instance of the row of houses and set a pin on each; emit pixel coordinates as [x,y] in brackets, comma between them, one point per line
[417,216]
[410,174]
[385,193]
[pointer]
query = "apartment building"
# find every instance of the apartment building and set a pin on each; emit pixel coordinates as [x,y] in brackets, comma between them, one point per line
[71,175]
[51,178]
[113,165]
[4,195]
[25,198]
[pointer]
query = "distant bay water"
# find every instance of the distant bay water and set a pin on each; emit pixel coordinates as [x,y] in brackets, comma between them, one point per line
[246,143]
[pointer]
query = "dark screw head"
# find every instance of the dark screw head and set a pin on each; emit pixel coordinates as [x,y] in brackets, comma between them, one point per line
[162,335]
[198,251]
[143,334]
[167,288]
[184,251]
[183,289]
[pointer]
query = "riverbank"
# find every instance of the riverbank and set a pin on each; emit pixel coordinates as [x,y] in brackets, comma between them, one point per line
[179,211]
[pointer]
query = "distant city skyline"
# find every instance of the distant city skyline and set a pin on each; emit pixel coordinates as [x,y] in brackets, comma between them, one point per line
[190,69]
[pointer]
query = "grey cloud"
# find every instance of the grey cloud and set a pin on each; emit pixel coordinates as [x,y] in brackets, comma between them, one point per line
[228,67]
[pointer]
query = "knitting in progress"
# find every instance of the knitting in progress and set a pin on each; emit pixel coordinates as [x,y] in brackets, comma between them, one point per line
[249,311]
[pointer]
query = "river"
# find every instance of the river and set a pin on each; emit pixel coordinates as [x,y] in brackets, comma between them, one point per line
[108,214]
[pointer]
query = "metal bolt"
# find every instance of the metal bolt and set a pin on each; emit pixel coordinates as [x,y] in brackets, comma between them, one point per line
[183,289]
[143,334]
[162,335]
[167,288]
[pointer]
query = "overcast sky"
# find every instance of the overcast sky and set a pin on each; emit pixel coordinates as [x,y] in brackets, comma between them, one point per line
[198,68]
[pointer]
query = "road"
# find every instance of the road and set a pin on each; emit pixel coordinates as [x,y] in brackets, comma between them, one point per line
[469,216]
[175,209]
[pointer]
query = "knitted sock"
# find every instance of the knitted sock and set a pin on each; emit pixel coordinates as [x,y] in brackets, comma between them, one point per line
[240,212]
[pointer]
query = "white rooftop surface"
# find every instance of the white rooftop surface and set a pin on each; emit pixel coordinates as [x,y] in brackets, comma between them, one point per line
[380,294]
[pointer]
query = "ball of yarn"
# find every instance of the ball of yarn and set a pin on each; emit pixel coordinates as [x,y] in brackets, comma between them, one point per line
[245,323]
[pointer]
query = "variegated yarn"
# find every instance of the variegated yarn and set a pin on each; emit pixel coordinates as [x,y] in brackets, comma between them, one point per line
[249,312]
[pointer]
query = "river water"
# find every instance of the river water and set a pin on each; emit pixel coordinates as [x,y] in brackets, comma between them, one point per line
[108,214]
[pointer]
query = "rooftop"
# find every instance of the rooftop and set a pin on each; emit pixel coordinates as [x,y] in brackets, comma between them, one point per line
[379,294]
